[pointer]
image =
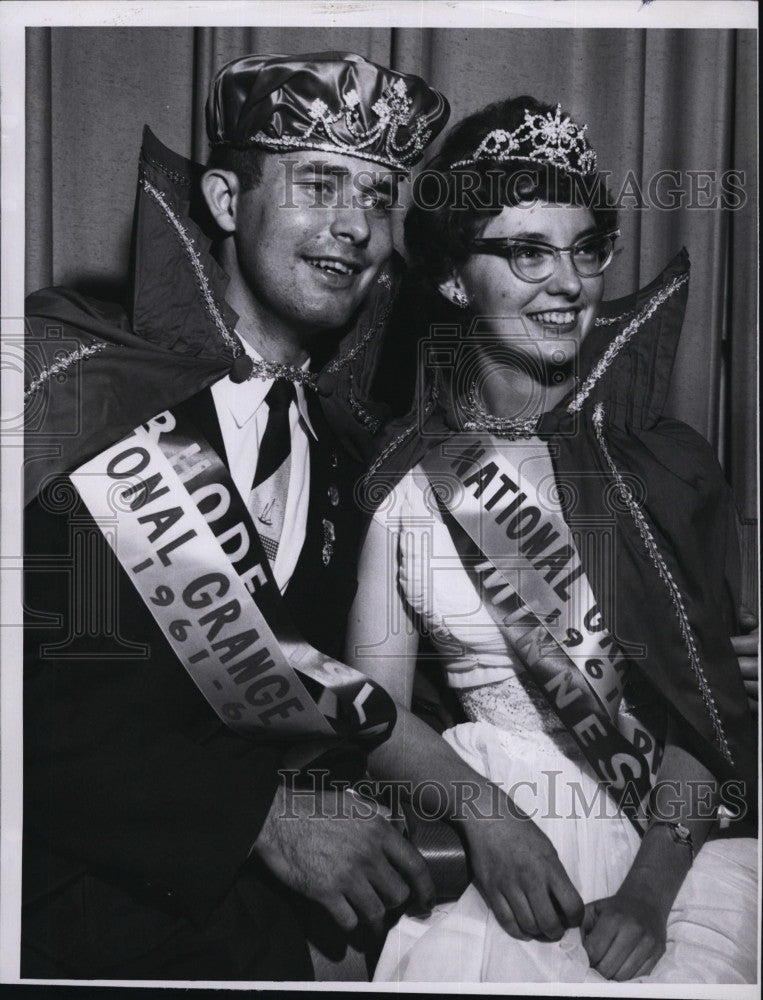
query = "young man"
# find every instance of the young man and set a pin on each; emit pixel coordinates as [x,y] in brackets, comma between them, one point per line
[167,682]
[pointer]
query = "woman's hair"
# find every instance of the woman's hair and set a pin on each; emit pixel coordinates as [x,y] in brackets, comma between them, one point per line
[452,205]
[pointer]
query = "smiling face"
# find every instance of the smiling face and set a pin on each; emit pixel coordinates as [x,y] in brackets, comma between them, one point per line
[311,237]
[564,305]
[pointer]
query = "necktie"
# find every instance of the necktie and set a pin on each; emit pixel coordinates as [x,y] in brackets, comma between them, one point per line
[271,479]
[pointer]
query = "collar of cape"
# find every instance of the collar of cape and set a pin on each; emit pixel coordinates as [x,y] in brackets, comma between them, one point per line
[626,362]
[174,339]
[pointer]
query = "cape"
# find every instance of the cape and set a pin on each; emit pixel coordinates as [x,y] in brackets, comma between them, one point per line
[672,587]
[95,370]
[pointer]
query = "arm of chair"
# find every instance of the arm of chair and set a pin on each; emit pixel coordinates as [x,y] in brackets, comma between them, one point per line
[438,842]
[443,850]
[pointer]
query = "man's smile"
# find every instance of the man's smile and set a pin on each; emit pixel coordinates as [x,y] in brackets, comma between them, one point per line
[335,265]
[334,270]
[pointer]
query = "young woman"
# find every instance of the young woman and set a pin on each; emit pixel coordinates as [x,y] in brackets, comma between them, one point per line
[568,551]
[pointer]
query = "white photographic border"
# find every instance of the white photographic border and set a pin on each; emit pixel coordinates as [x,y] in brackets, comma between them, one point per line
[15,17]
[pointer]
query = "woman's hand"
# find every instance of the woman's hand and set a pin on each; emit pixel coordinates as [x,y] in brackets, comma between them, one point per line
[624,935]
[521,877]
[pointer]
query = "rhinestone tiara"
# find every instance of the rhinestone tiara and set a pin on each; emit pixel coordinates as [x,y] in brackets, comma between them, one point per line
[553,140]
[379,142]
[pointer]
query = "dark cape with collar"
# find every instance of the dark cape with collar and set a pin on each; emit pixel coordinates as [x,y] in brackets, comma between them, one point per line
[652,597]
[95,370]
[140,807]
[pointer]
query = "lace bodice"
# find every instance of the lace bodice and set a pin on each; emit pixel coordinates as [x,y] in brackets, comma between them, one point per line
[517,707]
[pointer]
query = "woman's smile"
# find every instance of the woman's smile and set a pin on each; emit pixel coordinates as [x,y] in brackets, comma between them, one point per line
[561,321]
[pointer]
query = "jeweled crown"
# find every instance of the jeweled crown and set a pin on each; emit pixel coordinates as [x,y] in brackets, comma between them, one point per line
[552,140]
[336,102]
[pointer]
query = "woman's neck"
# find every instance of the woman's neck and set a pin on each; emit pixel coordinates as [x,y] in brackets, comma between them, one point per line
[511,390]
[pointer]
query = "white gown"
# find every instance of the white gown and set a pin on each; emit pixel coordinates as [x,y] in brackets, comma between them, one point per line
[517,741]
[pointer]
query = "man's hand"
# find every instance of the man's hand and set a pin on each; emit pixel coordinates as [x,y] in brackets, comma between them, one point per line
[624,935]
[747,648]
[521,877]
[356,867]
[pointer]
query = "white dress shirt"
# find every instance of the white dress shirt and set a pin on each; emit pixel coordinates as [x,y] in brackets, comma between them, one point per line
[243,416]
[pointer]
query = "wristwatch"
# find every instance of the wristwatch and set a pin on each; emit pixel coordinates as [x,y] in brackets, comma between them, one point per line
[681,834]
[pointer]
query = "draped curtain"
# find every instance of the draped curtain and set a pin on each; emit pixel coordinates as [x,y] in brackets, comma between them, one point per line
[654,100]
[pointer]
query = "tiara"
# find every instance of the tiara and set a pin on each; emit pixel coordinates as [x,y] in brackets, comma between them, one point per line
[552,140]
[380,142]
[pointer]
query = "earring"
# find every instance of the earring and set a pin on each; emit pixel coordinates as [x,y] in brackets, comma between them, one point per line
[460,300]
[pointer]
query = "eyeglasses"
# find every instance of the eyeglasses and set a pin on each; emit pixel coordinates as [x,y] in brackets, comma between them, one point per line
[534,261]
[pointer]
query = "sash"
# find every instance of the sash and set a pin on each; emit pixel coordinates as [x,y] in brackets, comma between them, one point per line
[511,532]
[167,506]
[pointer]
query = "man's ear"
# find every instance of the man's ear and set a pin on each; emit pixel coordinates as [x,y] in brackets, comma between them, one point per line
[452,289]
[221,189]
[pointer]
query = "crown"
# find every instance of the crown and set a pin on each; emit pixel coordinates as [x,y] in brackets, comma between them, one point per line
[553,140]
[397,137]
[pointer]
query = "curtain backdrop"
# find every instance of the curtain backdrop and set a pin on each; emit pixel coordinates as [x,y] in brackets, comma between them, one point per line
[654,100]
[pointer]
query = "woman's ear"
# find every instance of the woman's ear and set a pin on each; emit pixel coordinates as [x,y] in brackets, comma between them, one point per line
[453,290]
[221,189]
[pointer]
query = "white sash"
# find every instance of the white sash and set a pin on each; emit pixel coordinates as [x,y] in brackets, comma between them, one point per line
[161,496]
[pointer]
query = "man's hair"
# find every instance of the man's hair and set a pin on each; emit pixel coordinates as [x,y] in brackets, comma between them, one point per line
[246,164]
[438,238]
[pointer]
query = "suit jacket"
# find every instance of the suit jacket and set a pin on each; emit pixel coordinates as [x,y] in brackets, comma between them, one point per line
[140,807]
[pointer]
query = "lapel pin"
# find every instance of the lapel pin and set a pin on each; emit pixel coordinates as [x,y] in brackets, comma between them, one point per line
[329,537]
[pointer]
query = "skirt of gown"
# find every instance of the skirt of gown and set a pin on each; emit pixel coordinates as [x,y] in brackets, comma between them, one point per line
[712,929]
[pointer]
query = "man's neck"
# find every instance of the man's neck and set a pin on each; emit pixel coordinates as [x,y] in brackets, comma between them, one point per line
[270,340]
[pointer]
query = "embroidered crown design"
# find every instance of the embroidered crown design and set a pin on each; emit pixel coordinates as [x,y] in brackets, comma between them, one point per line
[343,131]
[553,140]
